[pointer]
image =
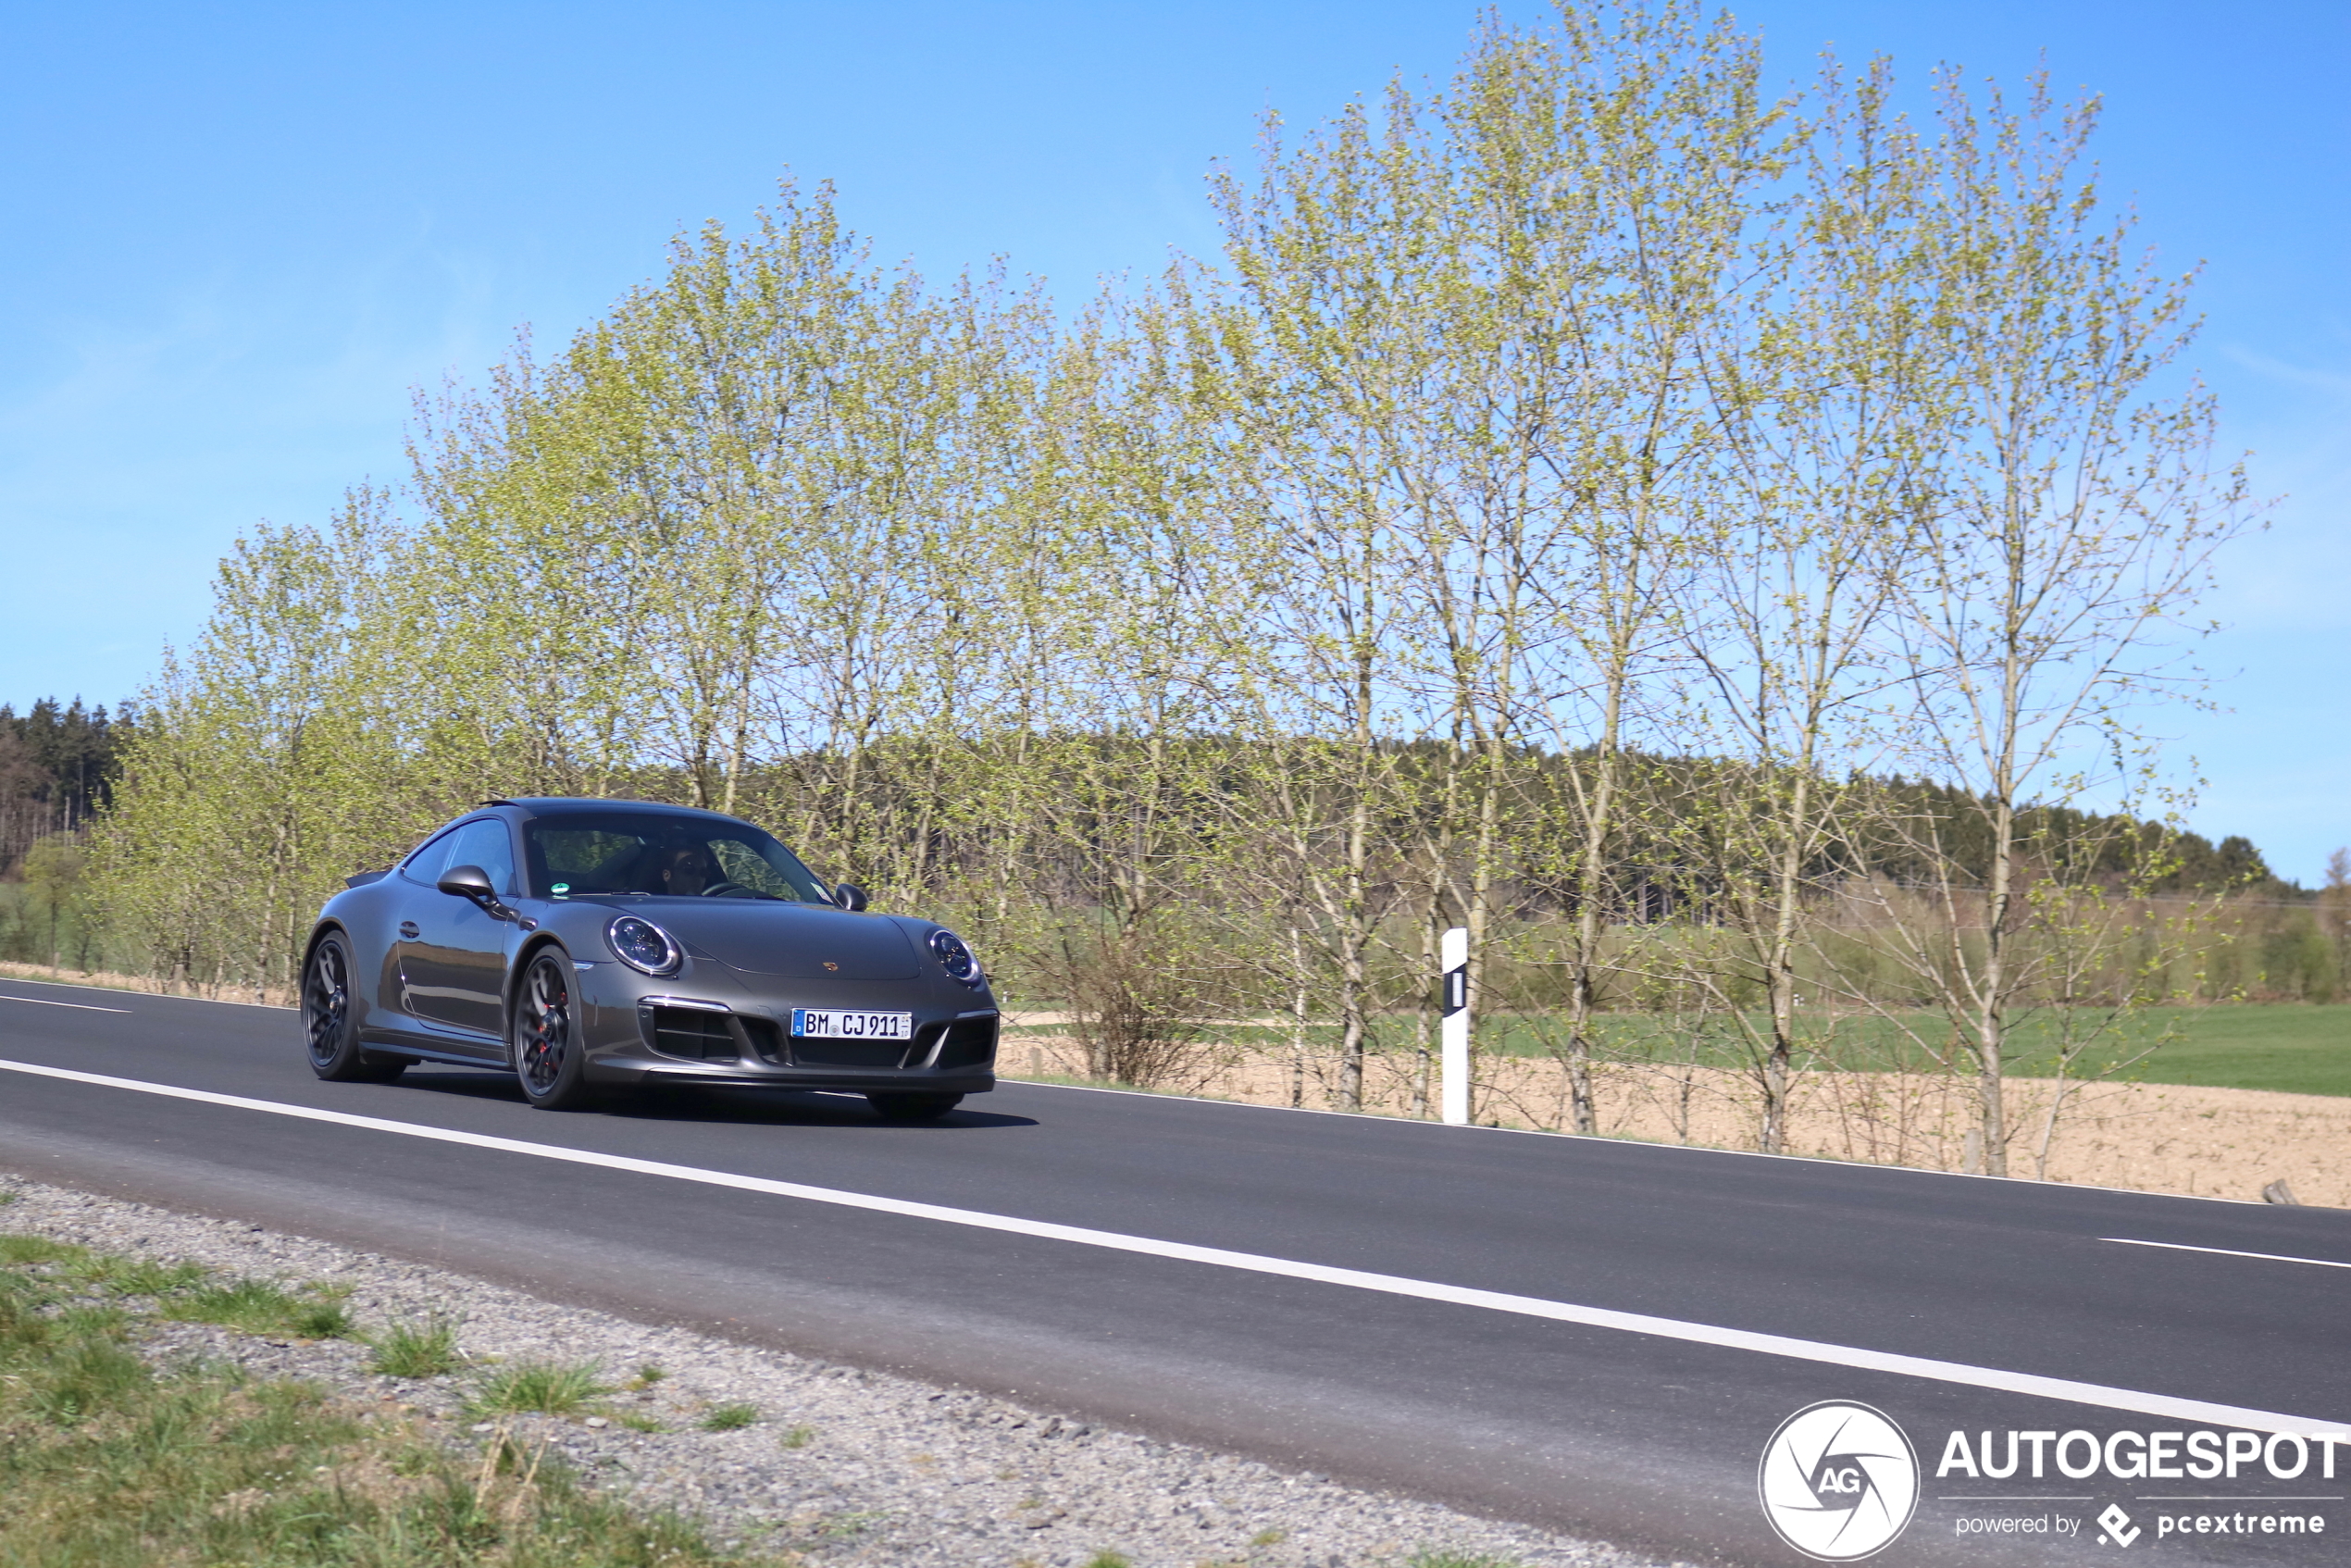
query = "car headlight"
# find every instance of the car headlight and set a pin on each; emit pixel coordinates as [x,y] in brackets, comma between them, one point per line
[955,957]
[642,945]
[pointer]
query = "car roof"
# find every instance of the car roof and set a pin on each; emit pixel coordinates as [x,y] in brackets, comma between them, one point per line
[582,805]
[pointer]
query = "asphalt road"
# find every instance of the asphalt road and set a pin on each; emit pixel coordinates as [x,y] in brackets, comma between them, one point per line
[1649,1438]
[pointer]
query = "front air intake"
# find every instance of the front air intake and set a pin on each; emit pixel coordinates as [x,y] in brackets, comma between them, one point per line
[695,1034]
[970,1043]
[850,1053]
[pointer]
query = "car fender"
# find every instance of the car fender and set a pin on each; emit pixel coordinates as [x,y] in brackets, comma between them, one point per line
[325,926]
[362,915]
[534,944]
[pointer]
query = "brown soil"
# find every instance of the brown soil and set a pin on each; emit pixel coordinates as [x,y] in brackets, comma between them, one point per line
[2152,1137]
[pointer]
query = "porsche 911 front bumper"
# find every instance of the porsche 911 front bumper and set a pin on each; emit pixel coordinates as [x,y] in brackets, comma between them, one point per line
[700,1039]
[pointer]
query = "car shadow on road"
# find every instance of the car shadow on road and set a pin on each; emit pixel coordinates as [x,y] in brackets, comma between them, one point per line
[744,1105]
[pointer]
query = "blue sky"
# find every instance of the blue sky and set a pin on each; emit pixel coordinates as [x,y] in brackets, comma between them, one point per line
[239,236]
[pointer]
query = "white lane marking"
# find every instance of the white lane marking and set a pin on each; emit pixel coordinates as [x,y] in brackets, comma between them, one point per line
[2224,1252]
[2131,1400]
[80,1006]
[151,995]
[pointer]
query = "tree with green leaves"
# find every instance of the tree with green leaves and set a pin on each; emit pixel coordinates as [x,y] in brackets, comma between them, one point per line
[2049,589]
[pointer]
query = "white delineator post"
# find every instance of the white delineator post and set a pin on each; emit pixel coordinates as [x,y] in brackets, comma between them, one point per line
[1454,1096]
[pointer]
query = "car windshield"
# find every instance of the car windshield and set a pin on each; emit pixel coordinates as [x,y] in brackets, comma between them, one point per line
[639,853]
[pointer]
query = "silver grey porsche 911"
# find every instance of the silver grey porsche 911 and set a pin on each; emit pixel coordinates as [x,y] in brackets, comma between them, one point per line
[589,945]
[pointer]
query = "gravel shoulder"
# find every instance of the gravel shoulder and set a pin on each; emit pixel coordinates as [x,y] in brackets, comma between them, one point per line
[842,1466]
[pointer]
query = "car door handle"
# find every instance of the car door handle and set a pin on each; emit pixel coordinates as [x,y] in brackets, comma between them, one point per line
[408,930]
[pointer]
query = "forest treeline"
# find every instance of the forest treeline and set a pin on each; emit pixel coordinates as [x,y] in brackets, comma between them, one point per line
[58,763]
[1579,501]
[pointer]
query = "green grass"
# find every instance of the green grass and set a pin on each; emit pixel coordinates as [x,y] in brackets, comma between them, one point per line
[255,1306]
[109,1463]
[37,1249]
[188,1292]
[416,1349]
[539,1388]
[2294,1047]
[142,1276]
[730,1418]
[2291,1047]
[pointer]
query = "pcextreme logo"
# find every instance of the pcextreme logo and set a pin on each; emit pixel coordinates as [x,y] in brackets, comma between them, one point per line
[2119,1531]
[1839,1481]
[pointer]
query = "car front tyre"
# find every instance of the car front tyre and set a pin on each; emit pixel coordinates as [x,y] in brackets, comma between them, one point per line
[542,1036]
[329,1023]
[913,1107]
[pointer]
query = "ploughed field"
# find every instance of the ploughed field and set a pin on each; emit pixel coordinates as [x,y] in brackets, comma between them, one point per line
[2233,1098]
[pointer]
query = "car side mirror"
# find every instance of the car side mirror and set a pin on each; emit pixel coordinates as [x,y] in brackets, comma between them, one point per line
[472,882]
[849,896]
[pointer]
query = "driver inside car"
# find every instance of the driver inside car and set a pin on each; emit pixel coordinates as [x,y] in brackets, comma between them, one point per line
[687,873]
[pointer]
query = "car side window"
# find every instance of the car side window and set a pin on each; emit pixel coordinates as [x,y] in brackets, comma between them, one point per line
[487,845]
[426,865]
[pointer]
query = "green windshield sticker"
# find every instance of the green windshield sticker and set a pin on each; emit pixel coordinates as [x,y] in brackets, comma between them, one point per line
[562,887]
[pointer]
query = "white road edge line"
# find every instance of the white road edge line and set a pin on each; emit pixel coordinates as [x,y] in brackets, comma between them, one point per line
[2163,1405]
[79,1006]
[2225,1252]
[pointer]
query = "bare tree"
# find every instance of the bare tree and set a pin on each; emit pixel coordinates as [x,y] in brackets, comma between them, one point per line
[2047,594]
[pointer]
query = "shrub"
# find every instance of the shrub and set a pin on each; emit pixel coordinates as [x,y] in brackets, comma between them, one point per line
[1138,1003]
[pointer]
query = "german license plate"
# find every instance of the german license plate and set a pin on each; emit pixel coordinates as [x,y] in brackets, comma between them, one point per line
[810,1023]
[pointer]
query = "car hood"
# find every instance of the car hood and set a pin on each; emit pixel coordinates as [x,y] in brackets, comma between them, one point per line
[800,941]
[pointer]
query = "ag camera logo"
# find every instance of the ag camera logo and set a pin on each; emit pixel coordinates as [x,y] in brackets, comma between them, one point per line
[1839,1481]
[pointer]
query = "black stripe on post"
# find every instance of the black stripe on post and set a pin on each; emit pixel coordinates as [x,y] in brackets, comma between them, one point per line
[1456,991]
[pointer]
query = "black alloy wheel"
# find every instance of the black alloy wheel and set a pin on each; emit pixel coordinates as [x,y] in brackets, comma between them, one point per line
[330,1028]
[910,1107]
[543,1039]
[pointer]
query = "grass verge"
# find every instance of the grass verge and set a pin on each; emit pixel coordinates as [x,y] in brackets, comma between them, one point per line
[108,1462]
